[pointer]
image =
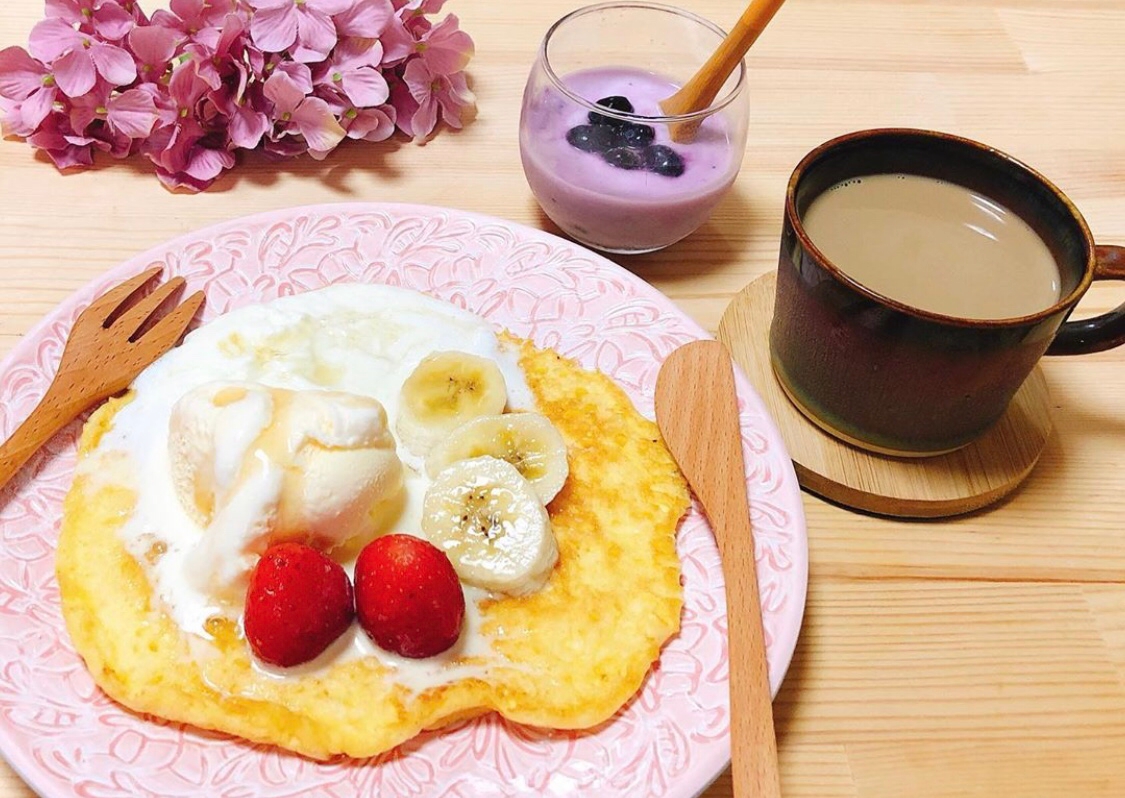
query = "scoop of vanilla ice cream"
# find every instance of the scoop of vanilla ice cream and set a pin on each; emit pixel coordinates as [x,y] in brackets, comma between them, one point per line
[255,465]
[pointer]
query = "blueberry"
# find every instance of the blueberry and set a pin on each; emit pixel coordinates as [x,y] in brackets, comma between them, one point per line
[592,138]
[663,160]
[634,135]
[623,158]
[614,103]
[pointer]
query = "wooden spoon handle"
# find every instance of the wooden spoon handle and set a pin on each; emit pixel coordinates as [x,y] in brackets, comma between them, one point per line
[697,411]
[700,91]
[55,410]
[755,775]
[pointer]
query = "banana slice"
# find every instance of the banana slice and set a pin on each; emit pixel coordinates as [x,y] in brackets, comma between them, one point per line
[528,441]
[492,525]
[443,392]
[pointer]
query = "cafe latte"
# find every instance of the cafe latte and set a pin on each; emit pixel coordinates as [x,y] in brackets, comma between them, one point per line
[935,246]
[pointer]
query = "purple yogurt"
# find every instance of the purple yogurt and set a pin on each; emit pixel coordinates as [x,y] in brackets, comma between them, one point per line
[605,206]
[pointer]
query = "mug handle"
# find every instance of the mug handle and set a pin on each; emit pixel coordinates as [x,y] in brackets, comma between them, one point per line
[1101,332]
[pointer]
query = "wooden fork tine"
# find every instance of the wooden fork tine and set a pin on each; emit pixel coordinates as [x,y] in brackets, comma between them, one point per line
[163,335]
[104,306]
[131,320]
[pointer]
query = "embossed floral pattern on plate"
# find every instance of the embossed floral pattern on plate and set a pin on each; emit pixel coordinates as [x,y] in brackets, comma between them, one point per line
[66,738]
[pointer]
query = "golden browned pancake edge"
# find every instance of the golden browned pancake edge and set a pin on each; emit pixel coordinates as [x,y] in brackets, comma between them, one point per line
[576,651]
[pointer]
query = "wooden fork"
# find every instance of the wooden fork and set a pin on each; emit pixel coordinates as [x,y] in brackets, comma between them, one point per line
[107,347]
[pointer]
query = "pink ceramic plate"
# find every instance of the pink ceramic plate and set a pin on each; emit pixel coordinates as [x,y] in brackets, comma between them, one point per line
[66,738]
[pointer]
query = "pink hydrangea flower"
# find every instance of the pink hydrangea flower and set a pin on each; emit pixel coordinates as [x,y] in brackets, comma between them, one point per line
[222,59]
[445,47]
[369,124]
[206,78]
[184,152]
[196,20]
[299,113]
[304,28]
[130,114]
[105,18]
[77,58]
[63,146]
[153,48]
[398,43]
[366,19]
[449,93]
[30,89]
[353,70]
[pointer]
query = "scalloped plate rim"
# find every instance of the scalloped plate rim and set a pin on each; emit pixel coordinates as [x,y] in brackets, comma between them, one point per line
[15,754]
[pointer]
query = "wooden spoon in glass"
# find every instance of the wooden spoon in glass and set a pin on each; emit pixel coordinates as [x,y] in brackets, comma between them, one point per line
[699,92]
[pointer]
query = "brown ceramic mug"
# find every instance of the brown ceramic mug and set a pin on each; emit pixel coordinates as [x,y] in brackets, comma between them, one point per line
[892,378]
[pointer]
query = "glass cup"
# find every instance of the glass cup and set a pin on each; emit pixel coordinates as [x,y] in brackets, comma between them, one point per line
[610,175]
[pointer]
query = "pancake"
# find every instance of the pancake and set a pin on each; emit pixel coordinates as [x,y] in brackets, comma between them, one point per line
[565,657]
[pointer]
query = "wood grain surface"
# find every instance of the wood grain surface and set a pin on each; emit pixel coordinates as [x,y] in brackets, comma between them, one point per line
[979,656]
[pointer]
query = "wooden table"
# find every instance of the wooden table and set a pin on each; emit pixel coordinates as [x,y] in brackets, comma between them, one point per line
[983,656]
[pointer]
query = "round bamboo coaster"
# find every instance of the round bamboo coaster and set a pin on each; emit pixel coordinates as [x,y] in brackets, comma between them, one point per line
[928,487]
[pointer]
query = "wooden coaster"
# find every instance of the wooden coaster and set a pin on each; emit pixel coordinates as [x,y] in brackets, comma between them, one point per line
[928,487]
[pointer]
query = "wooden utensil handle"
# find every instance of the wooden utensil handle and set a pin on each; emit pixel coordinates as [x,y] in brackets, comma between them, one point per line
[57,407]
[710,78]
[753,776]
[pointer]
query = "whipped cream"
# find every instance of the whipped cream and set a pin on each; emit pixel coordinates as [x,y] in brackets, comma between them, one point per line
[356,339]
[256,465]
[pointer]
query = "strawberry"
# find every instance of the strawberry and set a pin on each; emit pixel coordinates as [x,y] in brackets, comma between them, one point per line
[297,603]
[408,597]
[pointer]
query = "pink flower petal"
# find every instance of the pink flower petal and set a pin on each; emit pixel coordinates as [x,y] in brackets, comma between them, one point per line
[283,92]
[274,29]
[330,7]
[188,10]
[113,22]
[446,48]
[205,165]
[398,43]
[10,122]
[365,87]
[153,44]
[366,19]
[113,64]
[36,108]
[300,74]
[372,124]
[67,10]
[425,120]
[20,74]
[185,87]
[405,106]
[355,53]
[75,73]
[71,156]
[316,36]
[173,180]
[419,78]
[459,90]
[247,127]
[132,113]
[233,27]
[52,37]
[319,127]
